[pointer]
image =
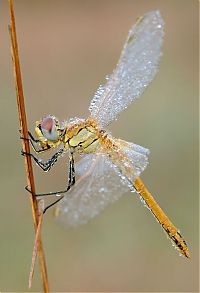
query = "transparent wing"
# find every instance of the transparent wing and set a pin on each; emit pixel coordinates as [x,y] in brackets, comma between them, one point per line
[135,70]
[98,185]
[134,155]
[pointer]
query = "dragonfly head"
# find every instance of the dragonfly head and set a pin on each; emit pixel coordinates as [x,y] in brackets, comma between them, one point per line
[48,130]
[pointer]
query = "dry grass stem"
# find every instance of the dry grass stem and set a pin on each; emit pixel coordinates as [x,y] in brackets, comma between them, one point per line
[25,143]
[35,248]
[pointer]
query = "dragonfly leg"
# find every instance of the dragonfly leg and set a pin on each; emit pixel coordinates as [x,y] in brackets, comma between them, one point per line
[45,165]
[71,182]
[47,193]
[35,143]
[72,169]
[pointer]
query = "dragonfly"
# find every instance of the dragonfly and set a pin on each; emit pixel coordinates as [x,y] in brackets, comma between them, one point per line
[108,166]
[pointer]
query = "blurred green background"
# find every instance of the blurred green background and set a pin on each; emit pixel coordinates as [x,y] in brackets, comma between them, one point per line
[66,49]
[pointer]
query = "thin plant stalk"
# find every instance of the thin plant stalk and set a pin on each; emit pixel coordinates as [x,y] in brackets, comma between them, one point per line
[35,248]
[25,142]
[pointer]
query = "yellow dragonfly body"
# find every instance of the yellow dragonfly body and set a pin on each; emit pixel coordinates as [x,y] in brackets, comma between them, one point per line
[108,166]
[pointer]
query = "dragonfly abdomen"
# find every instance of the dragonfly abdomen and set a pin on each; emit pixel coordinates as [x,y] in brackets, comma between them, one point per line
[161,217]
[128,167]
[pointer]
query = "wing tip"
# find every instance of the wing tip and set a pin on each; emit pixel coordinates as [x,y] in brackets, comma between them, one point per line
[153,13]
[153,16]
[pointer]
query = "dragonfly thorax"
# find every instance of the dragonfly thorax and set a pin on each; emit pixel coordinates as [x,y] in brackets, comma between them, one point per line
[84,136]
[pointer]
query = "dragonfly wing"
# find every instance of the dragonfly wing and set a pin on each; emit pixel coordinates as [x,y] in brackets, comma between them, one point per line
[136,155]
[135,70]
[98,185]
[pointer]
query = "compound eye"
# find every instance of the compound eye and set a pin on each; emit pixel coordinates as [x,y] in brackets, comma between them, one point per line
[47,124]
[49,128]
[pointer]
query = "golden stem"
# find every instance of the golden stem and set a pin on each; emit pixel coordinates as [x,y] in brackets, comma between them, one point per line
[25,143]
